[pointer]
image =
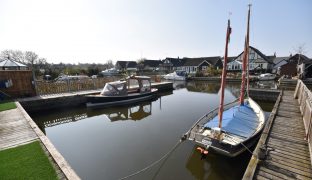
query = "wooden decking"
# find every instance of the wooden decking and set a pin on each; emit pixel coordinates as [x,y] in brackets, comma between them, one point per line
[286,152]
[14,129]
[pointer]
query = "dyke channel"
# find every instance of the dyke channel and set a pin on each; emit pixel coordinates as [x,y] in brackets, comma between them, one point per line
[111,143]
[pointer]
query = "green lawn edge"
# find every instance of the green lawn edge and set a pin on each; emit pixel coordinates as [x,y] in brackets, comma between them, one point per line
[7,106]
[26,162]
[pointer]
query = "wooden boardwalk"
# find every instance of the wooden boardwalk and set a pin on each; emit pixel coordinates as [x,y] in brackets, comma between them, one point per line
[14,129]
[285,152]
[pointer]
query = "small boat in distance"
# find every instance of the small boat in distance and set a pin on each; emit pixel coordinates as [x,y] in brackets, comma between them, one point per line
[232,128]
[176,75]
[110,72]
[133,89]
[266,77]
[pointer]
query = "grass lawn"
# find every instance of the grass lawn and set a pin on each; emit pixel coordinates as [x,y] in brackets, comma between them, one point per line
[26,162]
[7,105]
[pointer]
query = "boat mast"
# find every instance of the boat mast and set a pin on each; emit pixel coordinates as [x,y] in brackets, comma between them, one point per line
[244,65]
[228,32]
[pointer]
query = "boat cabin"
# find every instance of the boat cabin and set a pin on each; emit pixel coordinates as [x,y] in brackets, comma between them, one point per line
[132,84]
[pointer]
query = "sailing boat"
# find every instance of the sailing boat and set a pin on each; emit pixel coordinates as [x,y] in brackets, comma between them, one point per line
[232,128]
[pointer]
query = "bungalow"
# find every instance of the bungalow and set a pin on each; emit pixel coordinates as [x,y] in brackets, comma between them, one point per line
[257,61]
[171,64]
[304,67]
[126,65]
[283,67]
[151,65]
[192,65]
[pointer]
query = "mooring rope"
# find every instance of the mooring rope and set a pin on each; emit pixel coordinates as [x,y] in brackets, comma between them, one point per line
[242,145]
[155,162]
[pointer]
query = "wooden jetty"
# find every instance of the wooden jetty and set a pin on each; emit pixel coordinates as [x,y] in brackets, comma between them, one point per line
[14,129]
[283,151]
[17,128]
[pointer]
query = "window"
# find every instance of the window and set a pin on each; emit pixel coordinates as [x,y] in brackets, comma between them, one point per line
[252,55]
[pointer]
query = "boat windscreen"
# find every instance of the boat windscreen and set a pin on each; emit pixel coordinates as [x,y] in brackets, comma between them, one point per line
[146,85]
[239,120]
[114,89]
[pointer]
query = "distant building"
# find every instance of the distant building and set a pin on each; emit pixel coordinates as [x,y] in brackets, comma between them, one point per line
[126,65]
[304,67]
[10,64]
[151,65]
[257,61]
[192,65]
[283,67]
[171,64]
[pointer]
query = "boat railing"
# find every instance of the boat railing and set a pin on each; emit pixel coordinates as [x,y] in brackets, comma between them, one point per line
[304,96]
[192,132]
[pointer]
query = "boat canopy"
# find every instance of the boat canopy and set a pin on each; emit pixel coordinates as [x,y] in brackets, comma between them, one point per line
[181,73]
[141,82]
[116,88]
[135,84]
[239,120]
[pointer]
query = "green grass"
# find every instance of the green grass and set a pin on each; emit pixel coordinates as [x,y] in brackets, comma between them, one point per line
[26,162]
[7,105]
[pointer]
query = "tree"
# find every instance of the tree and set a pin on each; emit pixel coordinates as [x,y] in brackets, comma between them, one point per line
[15,55]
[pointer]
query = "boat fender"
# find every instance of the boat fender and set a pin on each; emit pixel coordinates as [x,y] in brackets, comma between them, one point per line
[203,152]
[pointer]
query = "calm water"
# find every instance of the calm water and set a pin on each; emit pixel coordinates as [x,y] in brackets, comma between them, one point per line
[114,142]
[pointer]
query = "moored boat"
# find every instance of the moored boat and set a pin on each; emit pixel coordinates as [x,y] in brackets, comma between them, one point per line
[176,75]
[232,128]
[133,89]
[266,77]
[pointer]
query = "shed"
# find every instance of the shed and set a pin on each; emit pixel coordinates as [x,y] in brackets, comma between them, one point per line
[9,64]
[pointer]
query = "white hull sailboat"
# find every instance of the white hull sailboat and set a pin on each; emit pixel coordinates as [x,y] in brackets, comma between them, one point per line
[232,128]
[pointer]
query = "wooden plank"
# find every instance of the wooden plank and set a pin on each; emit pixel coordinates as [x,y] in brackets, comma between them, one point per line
[285,143]
[291,155]
[282,168]
[274,173]
[287,148]
[289,160]
[289,136]
[267,175]
[301,142]
[291,165]
[261,177]
[288,129]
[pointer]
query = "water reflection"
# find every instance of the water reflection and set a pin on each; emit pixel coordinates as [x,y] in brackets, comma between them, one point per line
[111,143]
[133,112]
[265,85]
[206,87]
[213,166]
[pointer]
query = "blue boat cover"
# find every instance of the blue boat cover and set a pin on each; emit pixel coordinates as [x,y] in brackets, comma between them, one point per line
[239,120]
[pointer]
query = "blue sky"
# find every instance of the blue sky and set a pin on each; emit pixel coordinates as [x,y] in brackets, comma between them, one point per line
[73,31]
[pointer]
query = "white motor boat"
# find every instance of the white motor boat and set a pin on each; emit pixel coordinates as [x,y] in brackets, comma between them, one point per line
[266,77]
[176,75]
[110,72]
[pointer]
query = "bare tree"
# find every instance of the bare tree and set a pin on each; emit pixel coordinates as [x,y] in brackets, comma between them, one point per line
[15,55]
[300,49]
[31,58]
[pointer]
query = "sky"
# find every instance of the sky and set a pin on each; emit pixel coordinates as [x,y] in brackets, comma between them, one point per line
[94,31]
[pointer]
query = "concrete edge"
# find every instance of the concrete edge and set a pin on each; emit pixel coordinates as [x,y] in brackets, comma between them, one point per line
[58,158]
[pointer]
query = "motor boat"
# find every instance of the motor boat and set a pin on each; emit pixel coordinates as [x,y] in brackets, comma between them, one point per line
[176,75]
[131,90]
[266,77]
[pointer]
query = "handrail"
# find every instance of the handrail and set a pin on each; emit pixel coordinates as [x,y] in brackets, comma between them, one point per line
[304,96]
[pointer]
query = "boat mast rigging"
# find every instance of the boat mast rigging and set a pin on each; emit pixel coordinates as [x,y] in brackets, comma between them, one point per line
[220,113]
[245,63]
